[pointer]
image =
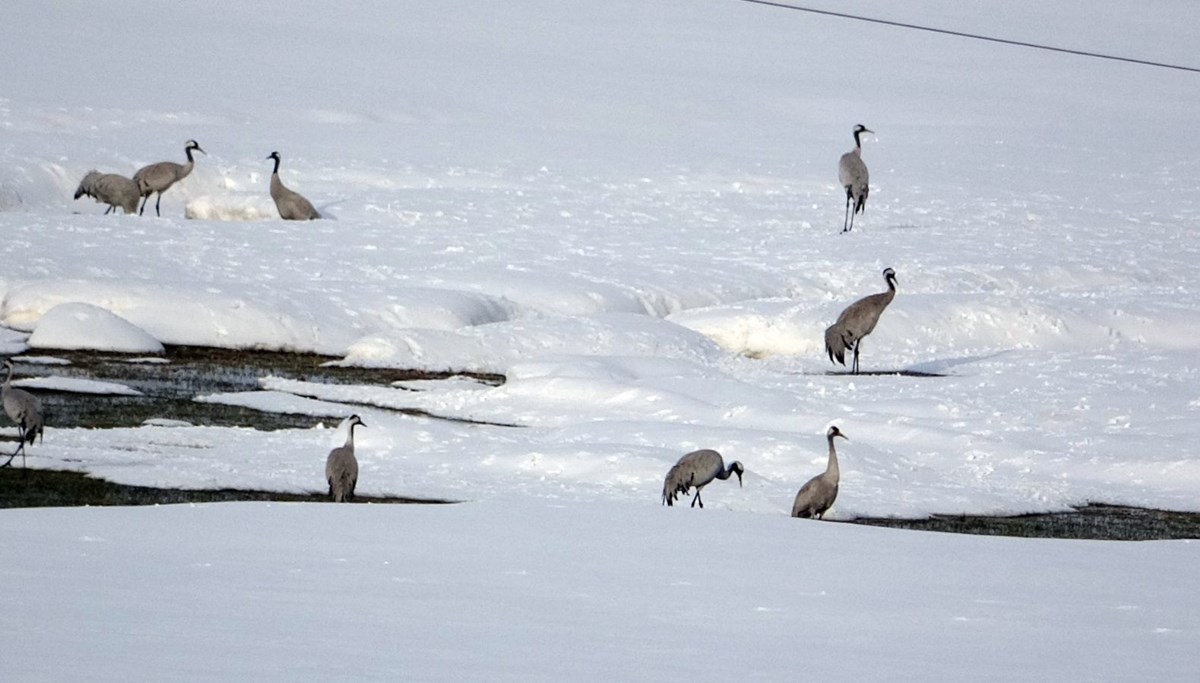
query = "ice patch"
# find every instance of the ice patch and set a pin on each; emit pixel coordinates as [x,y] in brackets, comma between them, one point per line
[77,386]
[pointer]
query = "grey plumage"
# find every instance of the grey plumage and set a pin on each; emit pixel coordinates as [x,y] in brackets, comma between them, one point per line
[857,321]
[23,408]
[291,206]
[697,469]
[852,174]
[110,188]
[341,467]
[158,178]
[818,494]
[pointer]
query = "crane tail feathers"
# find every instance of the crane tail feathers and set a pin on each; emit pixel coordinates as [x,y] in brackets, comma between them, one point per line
[835,345]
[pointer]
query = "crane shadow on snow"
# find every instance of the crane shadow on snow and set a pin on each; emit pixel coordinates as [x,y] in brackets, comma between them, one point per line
[934,368]
[882,373]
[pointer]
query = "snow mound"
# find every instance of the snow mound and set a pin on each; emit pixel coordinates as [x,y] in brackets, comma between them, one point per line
[230,208]
[84,326]
[497,346]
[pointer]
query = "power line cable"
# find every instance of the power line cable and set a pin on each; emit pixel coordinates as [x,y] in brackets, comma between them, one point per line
[973,36]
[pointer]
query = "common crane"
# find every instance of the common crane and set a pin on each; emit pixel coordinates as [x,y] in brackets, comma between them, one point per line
[697,469]
[857,321]
[112,189]
[341,467]
[852,173]
[291,206]
[23,408]
[161,176]
[818,494]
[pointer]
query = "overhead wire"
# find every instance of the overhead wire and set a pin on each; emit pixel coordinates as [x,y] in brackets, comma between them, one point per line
[972,36]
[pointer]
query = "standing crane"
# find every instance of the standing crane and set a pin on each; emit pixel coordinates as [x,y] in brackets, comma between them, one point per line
[852,174]
[23,408]
[817,495]
[697,469]
[161,176]
[857,321]
[341,467]
[291,206]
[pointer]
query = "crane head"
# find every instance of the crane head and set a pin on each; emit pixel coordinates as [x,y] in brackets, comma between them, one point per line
[834,431]
[273,155]
[192,144]
[738,469]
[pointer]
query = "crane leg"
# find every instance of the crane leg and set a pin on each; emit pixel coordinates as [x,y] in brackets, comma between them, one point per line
[110,208]
[846,225]
[156,203]
[144,201]
[20,448]
[854,370]
[696,499]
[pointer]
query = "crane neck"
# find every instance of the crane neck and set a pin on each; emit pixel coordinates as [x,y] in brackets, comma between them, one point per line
[857,143]
[276,171]
[188,152]
[8,377]
[832,470]
[350,437]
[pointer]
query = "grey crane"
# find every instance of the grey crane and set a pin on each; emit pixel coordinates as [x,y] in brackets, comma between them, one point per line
[161,176]
[852,174]
[857,321]
[818,494]
[291,206]
[112,189]
[23,408]
[697,469]
[341,467]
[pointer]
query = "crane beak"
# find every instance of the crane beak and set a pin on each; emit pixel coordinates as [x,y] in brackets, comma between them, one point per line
[739,480]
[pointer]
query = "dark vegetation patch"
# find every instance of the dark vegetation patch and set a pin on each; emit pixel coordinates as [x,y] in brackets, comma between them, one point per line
[1095,521]
[21,488]
[169,388]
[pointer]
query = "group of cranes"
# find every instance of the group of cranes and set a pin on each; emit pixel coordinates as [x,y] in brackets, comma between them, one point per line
[694,470]
[700,468]
[118,191]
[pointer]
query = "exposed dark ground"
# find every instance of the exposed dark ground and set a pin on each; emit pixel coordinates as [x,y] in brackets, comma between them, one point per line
[169,388]
[1092,521]
[21,488]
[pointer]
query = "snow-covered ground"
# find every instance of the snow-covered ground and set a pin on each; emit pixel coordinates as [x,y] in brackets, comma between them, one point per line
[630,210]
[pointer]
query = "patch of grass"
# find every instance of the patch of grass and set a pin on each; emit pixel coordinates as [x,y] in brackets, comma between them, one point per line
[21,487]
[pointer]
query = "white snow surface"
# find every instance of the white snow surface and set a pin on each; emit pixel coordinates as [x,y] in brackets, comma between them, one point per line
[84,326]
[630,210]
